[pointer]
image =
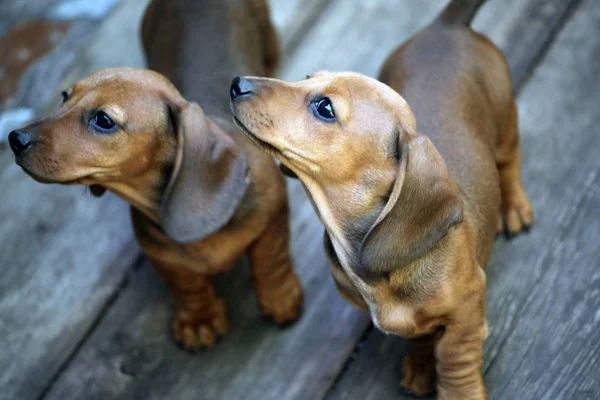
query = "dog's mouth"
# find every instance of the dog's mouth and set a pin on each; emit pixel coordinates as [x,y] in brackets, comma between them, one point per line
[44,179]
[268,148]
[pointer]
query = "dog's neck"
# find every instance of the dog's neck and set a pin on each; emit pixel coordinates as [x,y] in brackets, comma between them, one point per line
[144,191]
[141,193]
[347,214]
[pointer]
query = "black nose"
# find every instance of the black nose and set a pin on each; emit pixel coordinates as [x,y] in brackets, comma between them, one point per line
[19,141]
[241,87]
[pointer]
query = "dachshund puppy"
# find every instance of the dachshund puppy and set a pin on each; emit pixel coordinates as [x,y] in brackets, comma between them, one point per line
[410,217]
[201,198]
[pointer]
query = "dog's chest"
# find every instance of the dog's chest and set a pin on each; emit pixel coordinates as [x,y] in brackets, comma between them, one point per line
[388,312]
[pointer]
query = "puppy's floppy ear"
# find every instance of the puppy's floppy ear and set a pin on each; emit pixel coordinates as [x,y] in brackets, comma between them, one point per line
[208,180]
[424,204]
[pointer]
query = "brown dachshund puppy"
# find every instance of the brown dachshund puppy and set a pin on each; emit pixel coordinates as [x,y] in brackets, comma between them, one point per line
[410,218]
[200,197]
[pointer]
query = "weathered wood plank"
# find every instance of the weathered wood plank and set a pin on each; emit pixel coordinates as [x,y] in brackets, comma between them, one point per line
[523,29]
[566,242]
[357,35]
[559,167]
[63,253]
[61,259]
[256,360]
[553,352]
[69,26]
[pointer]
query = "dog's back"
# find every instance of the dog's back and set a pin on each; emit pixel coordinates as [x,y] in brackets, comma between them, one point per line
[458,85]
[201,45]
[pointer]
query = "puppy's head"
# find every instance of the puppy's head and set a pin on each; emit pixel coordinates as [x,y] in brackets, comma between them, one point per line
[130,130]
[105,130]
[352,141]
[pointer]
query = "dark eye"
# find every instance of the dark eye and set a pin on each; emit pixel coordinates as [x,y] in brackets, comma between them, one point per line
[65,96]
[102,122]
[324,109]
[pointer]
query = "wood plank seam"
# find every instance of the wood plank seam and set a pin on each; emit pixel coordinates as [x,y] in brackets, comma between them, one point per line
[565,224]
[114,296]
[568,216]
[351,357]
[520,81]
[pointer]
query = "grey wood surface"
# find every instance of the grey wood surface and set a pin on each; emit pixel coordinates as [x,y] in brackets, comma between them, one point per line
[543,288]
[82,317]
[63,253]
[523,29]
[257,360]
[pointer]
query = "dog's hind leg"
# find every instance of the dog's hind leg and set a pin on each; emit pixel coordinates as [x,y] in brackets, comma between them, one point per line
[516,213]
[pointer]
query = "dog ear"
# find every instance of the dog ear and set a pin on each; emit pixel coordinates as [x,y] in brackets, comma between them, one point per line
[208,180]
[424,204]
[97,190]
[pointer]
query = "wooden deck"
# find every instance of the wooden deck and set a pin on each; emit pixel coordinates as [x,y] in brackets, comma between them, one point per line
[83,315]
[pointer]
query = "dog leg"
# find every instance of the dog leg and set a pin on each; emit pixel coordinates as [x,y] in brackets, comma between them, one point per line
[277,287]
[200,315]
[458,354]
[516,212]
[419,367]
[459,348]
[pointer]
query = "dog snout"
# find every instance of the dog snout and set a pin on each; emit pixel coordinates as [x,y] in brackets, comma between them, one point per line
[19,141]
[241,87]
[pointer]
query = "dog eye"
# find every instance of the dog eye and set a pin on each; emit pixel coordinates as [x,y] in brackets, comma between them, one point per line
[102,122]
[324,109]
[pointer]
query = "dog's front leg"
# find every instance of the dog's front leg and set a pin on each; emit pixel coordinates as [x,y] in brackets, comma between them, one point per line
[459,350]
[418,367]
[275,282]
[200,315]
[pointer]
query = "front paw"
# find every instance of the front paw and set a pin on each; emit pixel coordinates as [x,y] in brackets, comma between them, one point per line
[193,329]
[419,375]
[280,301]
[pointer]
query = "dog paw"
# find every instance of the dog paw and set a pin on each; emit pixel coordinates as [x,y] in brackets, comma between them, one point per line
[193,330]
[283,302]
[517,214]
[419,376]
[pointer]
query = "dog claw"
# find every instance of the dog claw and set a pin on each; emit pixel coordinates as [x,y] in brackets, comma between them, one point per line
[193,331]
[281,303]
[517,214]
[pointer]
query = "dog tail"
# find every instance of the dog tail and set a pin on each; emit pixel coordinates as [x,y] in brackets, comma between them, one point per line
[460,12]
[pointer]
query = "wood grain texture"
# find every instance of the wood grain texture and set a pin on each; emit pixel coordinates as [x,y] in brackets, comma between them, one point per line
[543,287]
[65,259]
[523,29]
[63,253]
[558,296]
